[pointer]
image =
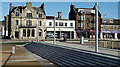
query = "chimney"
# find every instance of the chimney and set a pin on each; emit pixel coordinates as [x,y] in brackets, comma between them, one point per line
[10,6]
[72,7]
[29,4]
[59,15]
[43,6]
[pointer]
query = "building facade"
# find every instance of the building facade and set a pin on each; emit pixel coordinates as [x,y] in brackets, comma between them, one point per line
[84,21]
[26,22]
[110,28]
[62,27]
[2,29]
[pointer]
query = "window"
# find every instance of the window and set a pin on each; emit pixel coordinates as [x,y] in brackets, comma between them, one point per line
[40,15]
[71,24]
[104,21]
[40,23]
[33,32]
[50,23]
[60,23]
[65,24]
[92,25]
[24,32]
[28,23]
[56,24]
[119,27]
[39,33]
[29,14]
[103,27]
[16,22]
[17,14]
[92,18]
[111,21]
[81,24]
[81,17]
[28,32]
[112,27]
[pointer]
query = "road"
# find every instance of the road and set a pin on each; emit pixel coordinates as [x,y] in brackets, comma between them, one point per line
[68,57]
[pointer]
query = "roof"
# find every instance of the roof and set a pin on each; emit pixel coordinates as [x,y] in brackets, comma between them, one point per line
[52,17]
[23,7]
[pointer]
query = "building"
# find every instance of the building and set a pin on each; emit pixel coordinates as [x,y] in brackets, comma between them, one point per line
[63,26]
[110,28]
[6,19]
[2,29]
[84,21]
[25,22]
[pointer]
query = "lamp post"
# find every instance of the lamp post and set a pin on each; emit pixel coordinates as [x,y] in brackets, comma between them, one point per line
[96,21]
[54,30]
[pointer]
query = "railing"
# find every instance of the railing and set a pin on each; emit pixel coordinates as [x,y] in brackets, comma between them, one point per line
[106,43]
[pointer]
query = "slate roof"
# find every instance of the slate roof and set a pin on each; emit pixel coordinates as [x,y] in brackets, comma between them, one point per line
[38,9]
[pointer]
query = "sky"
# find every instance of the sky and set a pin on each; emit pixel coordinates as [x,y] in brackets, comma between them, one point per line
[110,9]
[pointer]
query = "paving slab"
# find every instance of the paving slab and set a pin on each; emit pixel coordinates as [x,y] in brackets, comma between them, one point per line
[23,58]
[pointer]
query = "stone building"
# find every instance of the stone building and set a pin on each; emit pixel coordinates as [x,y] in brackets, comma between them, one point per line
[62,27]
[26,22]
[110,28]
[2,29]
[84,21]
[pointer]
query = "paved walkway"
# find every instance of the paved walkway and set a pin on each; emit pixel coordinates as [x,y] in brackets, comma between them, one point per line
[26,58]
[63,56]
[108,51]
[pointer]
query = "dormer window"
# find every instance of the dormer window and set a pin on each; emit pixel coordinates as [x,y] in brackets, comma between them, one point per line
[39,15]
[29,14]
[17,14]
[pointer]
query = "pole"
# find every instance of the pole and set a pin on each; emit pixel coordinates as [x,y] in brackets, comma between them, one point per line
[38,31]
[54,31]
[96,21]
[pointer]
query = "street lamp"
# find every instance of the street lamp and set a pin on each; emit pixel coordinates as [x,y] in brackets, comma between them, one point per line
[96,21]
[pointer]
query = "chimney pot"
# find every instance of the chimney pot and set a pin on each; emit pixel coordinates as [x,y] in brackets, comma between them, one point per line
[59,15]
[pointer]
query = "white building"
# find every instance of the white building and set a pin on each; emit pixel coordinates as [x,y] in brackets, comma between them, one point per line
[63,26]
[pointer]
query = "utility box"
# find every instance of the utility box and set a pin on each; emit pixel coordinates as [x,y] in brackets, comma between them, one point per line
[82,40]
[13,50]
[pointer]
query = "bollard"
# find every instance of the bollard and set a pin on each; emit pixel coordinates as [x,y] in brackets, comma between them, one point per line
[82,40]
[13,50]
[112,45]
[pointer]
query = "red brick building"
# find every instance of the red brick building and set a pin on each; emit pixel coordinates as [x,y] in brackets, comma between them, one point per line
[84,21]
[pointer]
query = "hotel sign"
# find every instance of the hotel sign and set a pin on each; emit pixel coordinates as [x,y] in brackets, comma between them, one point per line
[110,31]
